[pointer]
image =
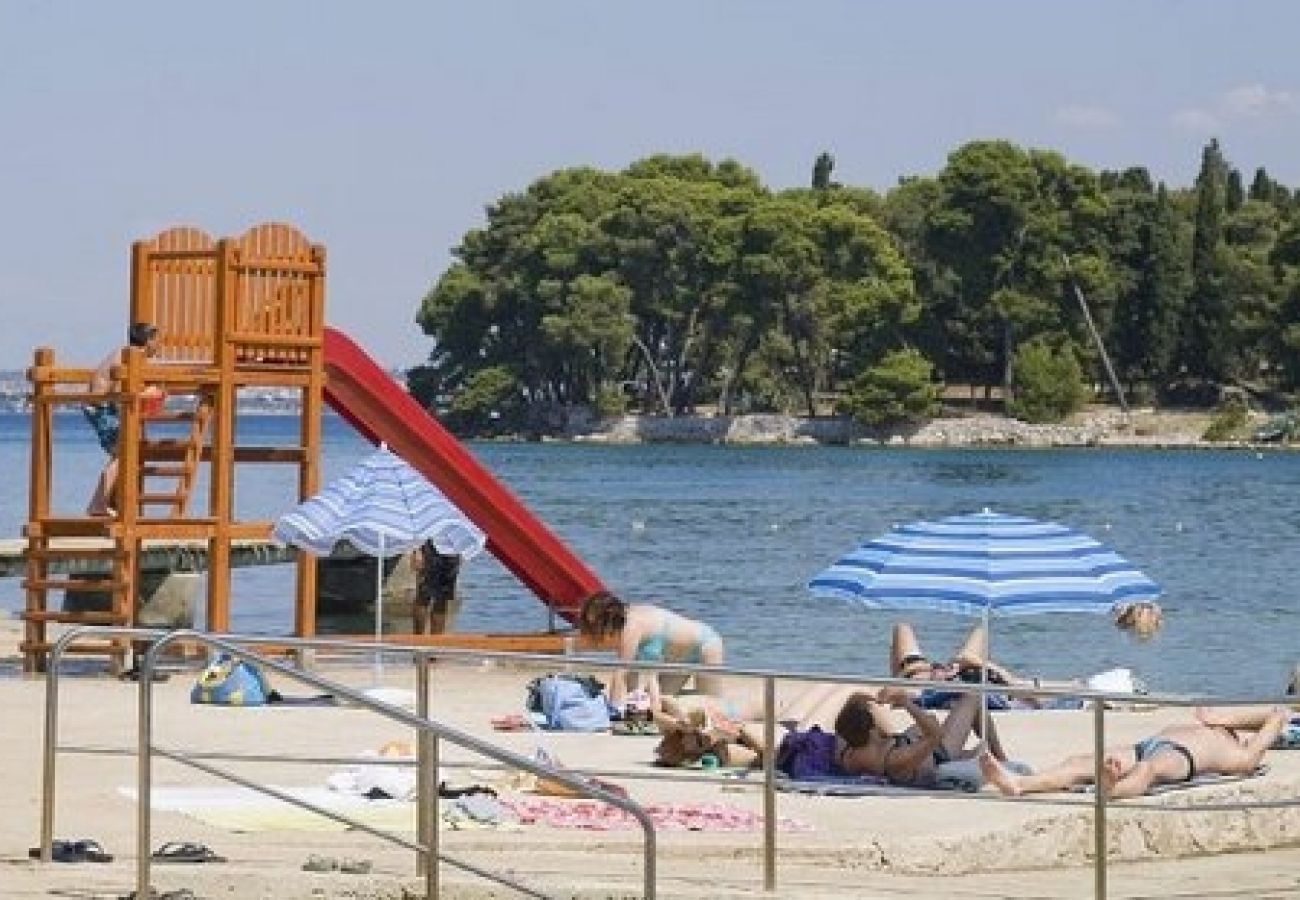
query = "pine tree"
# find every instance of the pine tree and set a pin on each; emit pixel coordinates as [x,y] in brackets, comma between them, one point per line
[1163,288]
[1261,188]
[1234,194]
[1201,353]
[822,168]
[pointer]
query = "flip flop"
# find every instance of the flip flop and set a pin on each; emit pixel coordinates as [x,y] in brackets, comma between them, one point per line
[60,851]
[185,852]
[86,850]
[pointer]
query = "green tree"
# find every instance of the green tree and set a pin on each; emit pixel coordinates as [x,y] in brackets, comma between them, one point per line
[1202,352]
[899,389]
[1048,382]
[822,168]
[1157,277]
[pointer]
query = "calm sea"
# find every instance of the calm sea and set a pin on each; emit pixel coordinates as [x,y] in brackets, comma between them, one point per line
[731,535]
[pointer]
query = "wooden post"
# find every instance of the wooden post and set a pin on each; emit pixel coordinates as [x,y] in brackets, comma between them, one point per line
[222,470]
[38,506]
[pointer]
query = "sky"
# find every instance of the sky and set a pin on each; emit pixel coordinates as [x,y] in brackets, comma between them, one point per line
[383,130]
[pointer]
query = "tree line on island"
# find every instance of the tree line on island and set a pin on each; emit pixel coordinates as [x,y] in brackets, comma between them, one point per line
[679,282]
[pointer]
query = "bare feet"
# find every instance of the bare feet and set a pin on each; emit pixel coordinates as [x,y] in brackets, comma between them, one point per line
[997,776]
[1112,770]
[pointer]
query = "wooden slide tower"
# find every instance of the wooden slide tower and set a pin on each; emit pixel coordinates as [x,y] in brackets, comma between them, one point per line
[232,314]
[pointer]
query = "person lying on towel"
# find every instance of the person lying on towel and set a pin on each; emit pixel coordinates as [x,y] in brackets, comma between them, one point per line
[1222,741]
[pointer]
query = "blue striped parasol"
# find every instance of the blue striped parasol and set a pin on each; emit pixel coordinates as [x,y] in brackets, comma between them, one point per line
[985,563]
[382,507]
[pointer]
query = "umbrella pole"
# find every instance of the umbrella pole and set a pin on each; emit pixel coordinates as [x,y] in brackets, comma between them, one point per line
[379,611]
[984,681]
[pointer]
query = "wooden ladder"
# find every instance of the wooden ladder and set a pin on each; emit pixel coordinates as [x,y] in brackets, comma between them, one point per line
[93,561]
[170,466]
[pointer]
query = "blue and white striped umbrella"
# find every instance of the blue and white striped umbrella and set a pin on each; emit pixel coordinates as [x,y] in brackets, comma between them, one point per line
[984,564]
[383,507]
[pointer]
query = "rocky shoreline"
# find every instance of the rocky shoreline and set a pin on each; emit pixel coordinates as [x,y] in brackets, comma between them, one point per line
[1097,427]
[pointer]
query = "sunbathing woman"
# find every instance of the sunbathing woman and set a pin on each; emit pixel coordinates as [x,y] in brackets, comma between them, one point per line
[849,730]
[1223,741]
[916,755]
[696,726]
[906,660]
[646,633]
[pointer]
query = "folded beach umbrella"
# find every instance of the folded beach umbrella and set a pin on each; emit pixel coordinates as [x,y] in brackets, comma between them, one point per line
[383,507]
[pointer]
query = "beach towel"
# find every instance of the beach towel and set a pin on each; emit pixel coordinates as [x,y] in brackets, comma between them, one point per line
[591,815]
[242,810]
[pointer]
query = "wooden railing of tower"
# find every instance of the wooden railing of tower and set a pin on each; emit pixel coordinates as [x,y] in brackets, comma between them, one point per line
[235,313]
[52,536]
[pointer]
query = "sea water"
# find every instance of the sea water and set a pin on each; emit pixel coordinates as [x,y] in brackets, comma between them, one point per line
[731,535]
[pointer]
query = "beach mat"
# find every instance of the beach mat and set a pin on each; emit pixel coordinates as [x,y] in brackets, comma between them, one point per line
[242,810]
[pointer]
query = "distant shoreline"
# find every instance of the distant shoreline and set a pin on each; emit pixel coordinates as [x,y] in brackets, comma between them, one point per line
[1095,427]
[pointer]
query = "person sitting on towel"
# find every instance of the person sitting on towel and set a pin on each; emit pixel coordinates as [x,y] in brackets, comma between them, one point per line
[1223,741]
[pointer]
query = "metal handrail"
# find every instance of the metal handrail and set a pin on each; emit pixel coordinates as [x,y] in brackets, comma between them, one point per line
[429,731]
[422,655]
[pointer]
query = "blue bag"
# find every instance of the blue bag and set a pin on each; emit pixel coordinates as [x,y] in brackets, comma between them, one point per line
[231,682]
[567,706]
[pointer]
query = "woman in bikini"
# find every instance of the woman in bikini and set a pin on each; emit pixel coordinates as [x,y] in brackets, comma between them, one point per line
[640,632]
[913,757]
[1223,741]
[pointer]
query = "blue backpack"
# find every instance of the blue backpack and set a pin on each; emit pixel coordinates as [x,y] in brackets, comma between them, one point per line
[567,706]
[231,682]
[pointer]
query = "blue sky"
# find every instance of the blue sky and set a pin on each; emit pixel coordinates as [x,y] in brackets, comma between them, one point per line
[383,129]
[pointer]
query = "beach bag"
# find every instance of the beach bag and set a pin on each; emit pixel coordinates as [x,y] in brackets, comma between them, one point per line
[1289,737]
[807,754]
[591,686]
[231,682]
[568,706]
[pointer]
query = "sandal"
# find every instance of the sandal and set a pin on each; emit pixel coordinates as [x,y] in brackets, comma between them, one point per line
[185,852]
[316,863]
[74,852]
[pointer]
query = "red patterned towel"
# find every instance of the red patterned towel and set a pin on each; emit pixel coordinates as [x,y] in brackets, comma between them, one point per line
[596,816]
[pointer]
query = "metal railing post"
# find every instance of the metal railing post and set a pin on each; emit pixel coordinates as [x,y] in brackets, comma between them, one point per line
[50,752]
[769,783]
[1099,806]
[426,796]
[144,772]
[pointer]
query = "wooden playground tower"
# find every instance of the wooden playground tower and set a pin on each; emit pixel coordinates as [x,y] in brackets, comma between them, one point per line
[234,313]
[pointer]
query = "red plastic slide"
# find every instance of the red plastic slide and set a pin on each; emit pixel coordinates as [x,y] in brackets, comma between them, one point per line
[380,409]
